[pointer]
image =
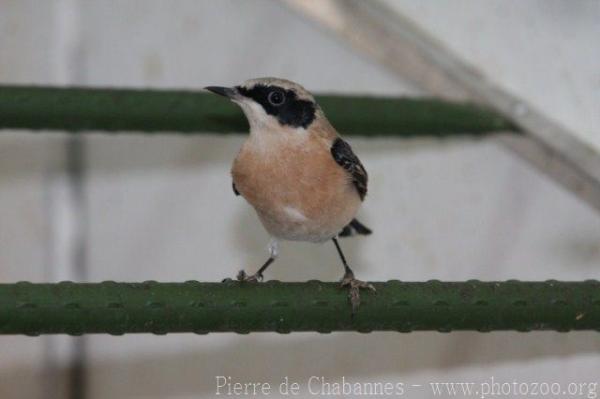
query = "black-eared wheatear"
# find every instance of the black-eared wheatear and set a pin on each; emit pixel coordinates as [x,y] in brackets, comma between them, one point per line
[303,180]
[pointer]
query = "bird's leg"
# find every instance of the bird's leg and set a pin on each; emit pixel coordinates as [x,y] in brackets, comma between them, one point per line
[349,281]
[258,276]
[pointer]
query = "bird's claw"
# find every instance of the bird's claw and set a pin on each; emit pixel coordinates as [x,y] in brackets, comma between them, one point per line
[354,287]
[254,278]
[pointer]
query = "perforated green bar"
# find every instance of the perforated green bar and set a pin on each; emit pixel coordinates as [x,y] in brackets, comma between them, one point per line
[151,307]
[89,109]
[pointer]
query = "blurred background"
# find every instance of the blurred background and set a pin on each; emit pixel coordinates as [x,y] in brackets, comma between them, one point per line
[130,207]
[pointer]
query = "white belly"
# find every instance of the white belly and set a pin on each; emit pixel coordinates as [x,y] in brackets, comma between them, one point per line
[289,223]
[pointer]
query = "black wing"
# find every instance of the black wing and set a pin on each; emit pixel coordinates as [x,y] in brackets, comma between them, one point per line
[343,155]
[235,191]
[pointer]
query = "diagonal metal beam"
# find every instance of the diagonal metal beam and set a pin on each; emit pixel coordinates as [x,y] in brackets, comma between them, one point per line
[404,48]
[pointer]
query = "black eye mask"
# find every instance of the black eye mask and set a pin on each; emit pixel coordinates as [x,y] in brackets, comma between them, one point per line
[292,112]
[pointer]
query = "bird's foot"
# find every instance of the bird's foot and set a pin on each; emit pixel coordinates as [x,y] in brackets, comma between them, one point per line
[254,278]
[354,287]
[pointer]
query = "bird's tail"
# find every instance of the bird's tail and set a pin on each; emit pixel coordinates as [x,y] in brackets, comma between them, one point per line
[355,227]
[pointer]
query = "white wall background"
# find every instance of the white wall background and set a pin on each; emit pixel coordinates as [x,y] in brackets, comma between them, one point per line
[161,208]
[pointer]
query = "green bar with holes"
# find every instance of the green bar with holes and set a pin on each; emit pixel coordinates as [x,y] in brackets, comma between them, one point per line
[112,110]
[194,307]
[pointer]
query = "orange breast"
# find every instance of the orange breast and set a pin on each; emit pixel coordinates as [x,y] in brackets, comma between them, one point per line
[296,187]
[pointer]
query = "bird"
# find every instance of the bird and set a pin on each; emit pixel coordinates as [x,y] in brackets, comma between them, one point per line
[303,180]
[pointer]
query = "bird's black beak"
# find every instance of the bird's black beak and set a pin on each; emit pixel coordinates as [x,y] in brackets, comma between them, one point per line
[229,92]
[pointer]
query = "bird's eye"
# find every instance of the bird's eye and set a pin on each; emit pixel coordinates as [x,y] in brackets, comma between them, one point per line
[276,97]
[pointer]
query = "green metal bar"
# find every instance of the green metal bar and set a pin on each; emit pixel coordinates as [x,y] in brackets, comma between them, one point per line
[151,307]
[85,109]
